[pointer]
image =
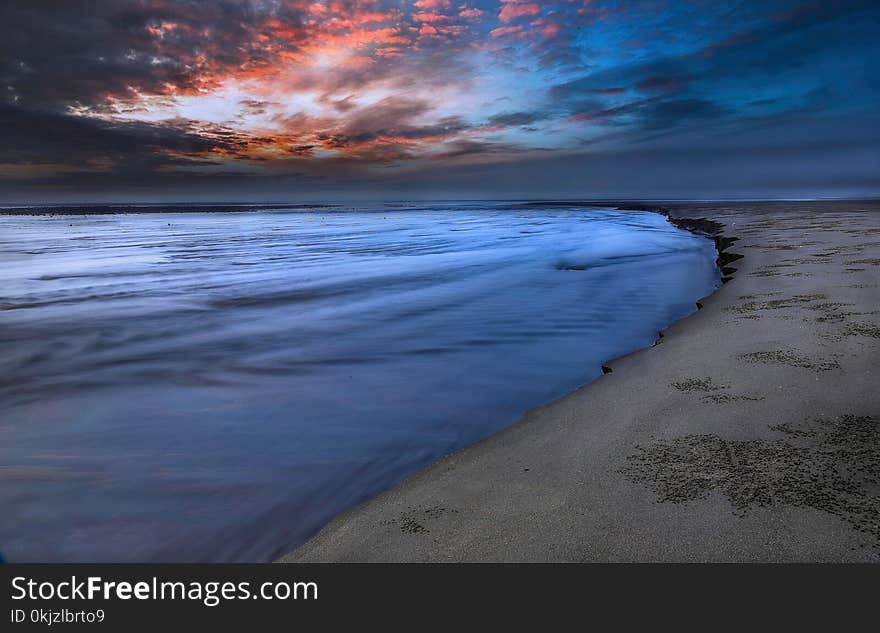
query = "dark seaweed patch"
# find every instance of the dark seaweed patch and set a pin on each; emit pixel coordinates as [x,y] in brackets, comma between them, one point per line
[787,357]
[697,384]
[413,520]
[832,465]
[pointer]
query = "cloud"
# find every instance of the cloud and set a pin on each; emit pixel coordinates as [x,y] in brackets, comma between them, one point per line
[509,32]
[84,52]
[167,90]
[514,9]
[29,136]
[508,119]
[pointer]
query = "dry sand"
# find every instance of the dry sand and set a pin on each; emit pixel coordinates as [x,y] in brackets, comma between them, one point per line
[751,432]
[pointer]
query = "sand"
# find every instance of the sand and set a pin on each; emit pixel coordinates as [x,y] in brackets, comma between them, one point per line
[750,432]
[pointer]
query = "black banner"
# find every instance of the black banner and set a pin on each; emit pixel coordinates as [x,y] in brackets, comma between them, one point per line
[122,597]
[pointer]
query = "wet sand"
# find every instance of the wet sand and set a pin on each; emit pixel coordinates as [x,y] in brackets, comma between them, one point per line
[750,432]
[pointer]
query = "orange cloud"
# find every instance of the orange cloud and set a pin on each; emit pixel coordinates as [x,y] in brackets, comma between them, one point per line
[431,17]
[432,4]
[514,9]
[471,14]
[508,31]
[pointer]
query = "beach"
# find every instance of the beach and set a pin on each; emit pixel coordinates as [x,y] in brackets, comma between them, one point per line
[748,432]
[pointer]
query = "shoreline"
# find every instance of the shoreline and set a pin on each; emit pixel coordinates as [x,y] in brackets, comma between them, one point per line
[699,468]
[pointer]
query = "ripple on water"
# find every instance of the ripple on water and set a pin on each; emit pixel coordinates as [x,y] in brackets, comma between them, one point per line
[193,386]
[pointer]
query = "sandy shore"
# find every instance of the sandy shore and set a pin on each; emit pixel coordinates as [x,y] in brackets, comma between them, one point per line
[751,432]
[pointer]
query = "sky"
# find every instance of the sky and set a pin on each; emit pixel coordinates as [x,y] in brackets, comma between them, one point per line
[290,100]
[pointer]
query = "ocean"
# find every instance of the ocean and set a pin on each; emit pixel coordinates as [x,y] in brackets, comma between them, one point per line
[195,386]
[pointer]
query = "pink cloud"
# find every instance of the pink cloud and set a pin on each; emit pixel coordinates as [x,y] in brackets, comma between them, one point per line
[514,9]
[471,14]
[508,31]
[432,5]
[430,17]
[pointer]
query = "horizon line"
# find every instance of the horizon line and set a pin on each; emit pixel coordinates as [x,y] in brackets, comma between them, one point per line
[337,202]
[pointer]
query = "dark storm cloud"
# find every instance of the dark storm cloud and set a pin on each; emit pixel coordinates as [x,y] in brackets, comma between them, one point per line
[54,53]
[458,149]
[383,131]
[653,113]
[31,137]
[511,119]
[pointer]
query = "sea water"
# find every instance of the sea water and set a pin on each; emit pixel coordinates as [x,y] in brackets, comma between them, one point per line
[190,385]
